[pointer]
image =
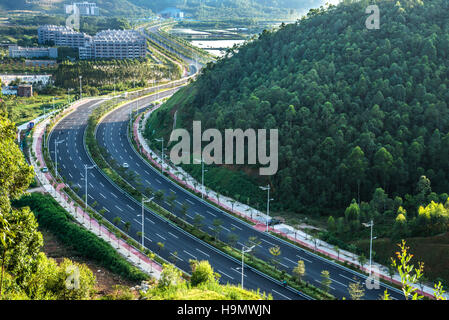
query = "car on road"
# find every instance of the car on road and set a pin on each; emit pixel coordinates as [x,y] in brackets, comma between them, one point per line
[126,165]
[44,169]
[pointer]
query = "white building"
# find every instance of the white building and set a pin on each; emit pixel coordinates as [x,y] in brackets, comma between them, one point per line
[27,52]
[85,8]
[117,44]
[61,36]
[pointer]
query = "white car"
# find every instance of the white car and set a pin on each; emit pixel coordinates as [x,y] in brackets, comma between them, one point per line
[125,165]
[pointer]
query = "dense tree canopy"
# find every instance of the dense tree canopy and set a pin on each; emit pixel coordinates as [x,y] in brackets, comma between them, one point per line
[356,109]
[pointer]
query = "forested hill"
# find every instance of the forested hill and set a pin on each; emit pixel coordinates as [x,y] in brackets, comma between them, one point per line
[355,108]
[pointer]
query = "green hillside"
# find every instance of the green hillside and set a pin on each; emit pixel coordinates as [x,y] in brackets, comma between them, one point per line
[362,114]
[107,7]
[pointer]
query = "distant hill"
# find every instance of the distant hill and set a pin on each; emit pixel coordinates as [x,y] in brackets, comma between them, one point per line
[210,9]
[204,9]
[107,7]
[356,109]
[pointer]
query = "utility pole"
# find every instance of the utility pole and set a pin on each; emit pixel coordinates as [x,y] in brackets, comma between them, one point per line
[86,167]
[56,156]
[243,266]
[162,164]
[81,88]
[143,220]
[370,225]
[267,188]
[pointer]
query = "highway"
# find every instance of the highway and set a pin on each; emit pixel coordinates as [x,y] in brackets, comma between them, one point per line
[72,156]
[112,134]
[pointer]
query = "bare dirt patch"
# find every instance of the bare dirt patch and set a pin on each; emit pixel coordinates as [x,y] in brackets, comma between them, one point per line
[106,280]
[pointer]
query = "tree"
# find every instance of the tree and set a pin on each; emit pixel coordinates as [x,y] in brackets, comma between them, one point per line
[202,272]
[356,290]
[300,270]
[325,280]
[198,221]
[357,165]
[362,260]
[217,223]
[275,252]
[15,177]
[170,277]
[383,164]
[160,247]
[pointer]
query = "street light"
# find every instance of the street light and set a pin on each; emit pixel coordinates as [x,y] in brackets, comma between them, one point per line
[56,156]
[243,252]
[202,175]
[143,220]
[162,164]
[81,87]
[86,167]
[370,225]
[267,188]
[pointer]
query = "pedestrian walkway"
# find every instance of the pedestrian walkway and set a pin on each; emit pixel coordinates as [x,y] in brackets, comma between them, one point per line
[257,217]
[47,181]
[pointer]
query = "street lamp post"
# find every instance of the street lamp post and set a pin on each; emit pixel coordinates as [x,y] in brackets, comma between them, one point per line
[243,253]
[202,176]
[143,220]
[86,167]
[162,164]
[267,188]
[81,88]
[56,156]
[370,225]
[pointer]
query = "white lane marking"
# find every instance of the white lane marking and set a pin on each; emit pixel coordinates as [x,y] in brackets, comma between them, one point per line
[294,262]
[106,209]
[302,258]
[172,190]
[102,195]
[176,256]
[101,184]
[173,235]
[347,278]
[114,195]
[178,202]
[189,254]
[202,252]
[211,213]
[158,181]
[137,221]
[189,201]
[150,220]
[236,226]
[119,208]
[320,283]
[283,265]
[160,236]
[267,242]
[148,182]
[69,174]
[227,275]
[130,207]
[281,294]
[342,284]
[148,239]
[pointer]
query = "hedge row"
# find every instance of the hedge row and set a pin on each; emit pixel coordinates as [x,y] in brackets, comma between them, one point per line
[51,216]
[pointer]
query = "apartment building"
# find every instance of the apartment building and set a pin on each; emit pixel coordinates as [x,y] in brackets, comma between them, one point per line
[61,36]
[117,44]
[28,52]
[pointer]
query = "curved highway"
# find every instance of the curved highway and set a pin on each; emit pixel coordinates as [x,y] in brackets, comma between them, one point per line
[112,134]
[72,156]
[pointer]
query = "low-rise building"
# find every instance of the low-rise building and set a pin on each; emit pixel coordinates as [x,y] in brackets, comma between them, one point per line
[29,52]
[25,90]
[116,44]
[61,36]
